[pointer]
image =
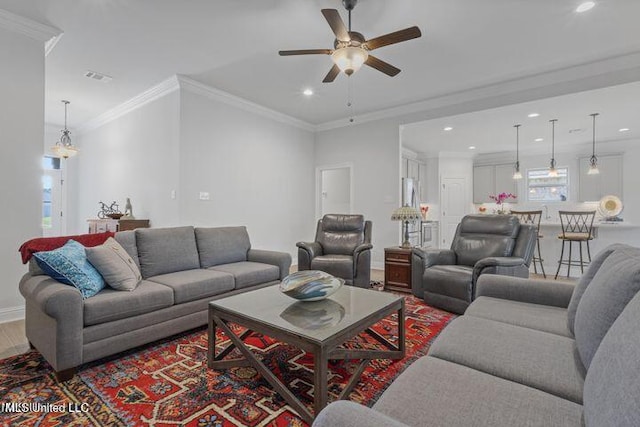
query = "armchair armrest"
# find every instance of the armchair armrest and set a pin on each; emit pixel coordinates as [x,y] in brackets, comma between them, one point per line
[344,413]
[424,258]
[362,247]
[496,265]
[544,292]
[282,260]
[313,248]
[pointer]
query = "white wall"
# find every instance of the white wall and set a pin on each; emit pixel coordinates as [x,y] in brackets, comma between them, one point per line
[22,125]
[258,173]
[374,150]
[135,156]
[336,190]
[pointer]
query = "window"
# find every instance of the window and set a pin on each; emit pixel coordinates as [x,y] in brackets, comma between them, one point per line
[50,179]
[543,188]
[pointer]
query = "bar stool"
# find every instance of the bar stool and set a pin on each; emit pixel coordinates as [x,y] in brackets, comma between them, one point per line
[533,217]
[577,227]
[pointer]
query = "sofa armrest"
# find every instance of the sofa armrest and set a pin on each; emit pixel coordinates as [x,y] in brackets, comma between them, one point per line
[544,292]
[344,413]
[282,260]
[54,320]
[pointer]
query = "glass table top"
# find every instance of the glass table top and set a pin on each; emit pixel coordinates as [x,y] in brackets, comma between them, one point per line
[317,320]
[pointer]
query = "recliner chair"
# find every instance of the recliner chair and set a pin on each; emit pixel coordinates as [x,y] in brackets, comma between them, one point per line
[493,244]
[342,248]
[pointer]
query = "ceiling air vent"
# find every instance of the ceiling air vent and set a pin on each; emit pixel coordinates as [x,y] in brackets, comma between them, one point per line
[98,76]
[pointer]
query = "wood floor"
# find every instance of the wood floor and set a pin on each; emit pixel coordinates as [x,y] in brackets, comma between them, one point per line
[13,340]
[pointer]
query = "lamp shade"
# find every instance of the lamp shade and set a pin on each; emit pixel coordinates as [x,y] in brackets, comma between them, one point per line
[406,213]
[349,59]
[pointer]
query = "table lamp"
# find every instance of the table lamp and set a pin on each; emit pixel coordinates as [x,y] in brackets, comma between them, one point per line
[406,214]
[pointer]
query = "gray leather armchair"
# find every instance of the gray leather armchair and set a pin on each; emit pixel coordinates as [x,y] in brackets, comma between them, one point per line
[342,248]
[493,244]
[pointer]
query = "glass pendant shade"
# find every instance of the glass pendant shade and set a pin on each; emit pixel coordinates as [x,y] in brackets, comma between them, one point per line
[553,172]
[349,59]
[517,174]
[63,147]
[593,161]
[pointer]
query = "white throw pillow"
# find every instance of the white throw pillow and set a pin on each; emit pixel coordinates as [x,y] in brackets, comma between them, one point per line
[114,264]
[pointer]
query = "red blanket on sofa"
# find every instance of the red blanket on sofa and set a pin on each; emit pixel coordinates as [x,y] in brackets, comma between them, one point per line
[39,244]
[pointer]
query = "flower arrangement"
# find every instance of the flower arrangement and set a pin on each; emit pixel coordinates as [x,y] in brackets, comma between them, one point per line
[500,199]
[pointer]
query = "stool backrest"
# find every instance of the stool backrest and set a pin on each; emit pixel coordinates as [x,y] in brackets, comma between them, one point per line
[529,217]
[577,222]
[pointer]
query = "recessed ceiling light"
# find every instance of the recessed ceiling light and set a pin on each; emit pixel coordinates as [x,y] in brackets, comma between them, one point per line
[539,139]
[307,92]
[583,7]
[448,128]
[532,115]
[624,130]
[472,147]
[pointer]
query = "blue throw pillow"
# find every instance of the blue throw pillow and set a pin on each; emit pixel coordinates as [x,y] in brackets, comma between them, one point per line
[69,265]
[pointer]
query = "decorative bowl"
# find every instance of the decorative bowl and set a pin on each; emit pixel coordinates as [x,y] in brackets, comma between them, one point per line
[310,285]
[115,215]
[314,315]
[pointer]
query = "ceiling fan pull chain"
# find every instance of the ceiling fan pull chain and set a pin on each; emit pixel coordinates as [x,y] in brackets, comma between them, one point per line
[349,100]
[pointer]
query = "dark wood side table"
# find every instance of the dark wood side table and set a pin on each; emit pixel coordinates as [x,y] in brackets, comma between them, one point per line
[397,269]
[132,224]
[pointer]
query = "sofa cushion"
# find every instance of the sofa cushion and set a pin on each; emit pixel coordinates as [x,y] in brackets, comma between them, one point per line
[336,265]
[222,245]
[111,305]
[613,286]
[341,234]
[544,318]
[585,279]
[536,359]
[438,393]
[612,386]
[115,265]
[69,265]
[127,240]
[451,280]
[165,250]
[190,285]
[482,236]
[248,273]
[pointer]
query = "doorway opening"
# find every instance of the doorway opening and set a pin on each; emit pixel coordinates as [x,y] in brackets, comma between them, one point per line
[334,189]
[53,220]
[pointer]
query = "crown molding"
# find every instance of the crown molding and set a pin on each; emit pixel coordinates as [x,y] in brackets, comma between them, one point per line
[196,87]
[28,27]
[51,43]
[617,69]
[149,95]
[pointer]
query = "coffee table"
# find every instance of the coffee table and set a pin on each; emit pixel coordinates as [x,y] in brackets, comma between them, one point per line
[318,328]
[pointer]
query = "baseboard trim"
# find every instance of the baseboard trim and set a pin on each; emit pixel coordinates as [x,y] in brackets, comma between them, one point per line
[377,265]
[11,314]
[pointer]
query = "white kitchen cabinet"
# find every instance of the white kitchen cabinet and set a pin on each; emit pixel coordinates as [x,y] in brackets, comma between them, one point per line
[491,180]
[609,181]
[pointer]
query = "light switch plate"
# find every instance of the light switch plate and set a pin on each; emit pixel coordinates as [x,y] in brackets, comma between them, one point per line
[204,195]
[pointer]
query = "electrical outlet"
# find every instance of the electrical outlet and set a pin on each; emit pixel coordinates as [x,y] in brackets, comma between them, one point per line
[204,195]
[173,194]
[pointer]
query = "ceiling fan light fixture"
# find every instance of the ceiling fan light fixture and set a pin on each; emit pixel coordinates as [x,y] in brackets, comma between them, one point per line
[349,59]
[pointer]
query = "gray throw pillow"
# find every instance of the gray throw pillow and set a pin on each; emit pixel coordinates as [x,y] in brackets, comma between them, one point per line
[115,265]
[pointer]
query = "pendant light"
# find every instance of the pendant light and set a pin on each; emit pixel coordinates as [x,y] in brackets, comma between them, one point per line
[553,172]
[517,174]
[593,161]
[64,148]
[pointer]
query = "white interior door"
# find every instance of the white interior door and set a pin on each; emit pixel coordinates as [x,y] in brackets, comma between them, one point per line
[52,203]
[453,200]
[334,189]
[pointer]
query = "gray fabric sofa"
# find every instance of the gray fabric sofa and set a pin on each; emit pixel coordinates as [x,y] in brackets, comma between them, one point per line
[483,244]
[182,269]
[526,353]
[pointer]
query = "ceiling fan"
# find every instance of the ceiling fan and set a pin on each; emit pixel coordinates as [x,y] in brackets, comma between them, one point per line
[351,49]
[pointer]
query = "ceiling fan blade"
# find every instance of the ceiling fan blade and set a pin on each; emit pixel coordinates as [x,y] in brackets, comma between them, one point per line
[392,38]
[380,65]
[306,52]
[332,74]
[337,24]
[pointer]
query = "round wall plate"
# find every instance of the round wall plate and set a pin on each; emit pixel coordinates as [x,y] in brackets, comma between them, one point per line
[610,206]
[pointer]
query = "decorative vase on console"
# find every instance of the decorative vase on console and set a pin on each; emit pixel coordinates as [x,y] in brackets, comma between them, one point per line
[499,199]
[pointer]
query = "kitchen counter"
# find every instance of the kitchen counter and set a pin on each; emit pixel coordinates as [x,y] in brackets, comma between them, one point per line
[596,224]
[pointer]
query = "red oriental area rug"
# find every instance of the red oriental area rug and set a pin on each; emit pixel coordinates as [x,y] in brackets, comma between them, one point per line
[168,383]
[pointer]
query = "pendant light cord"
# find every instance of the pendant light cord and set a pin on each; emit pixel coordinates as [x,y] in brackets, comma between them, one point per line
[593,151]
